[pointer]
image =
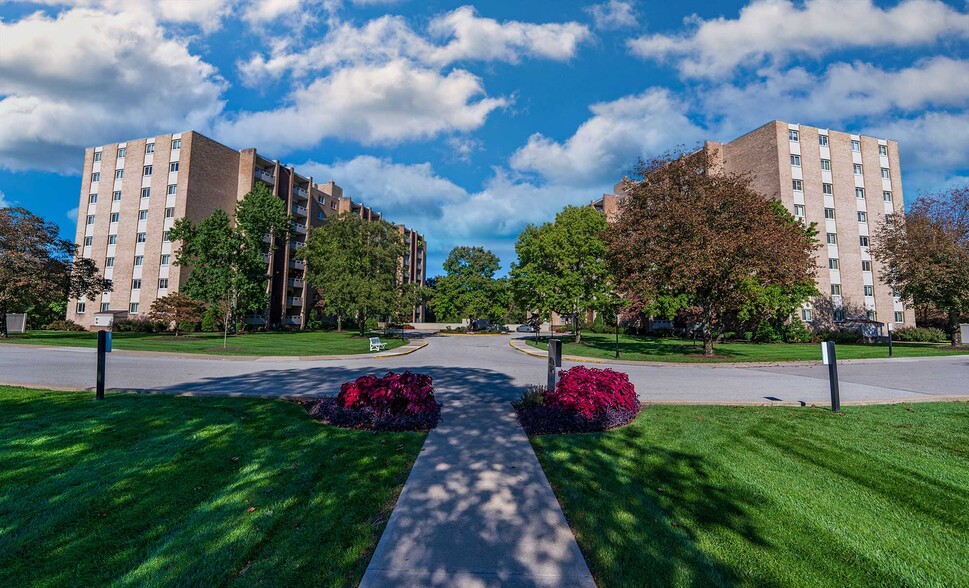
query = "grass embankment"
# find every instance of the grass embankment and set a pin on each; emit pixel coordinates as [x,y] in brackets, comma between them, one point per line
[273,343]
[774,496]
[163,490]
[601,346]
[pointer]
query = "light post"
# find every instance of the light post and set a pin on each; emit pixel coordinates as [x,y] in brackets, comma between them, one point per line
[617,332]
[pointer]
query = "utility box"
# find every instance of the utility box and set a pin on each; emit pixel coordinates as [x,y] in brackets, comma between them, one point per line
[104,321]
[964,333]
[16,323]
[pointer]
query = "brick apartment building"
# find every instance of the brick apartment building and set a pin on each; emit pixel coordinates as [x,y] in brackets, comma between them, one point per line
[133,192]
[847,184]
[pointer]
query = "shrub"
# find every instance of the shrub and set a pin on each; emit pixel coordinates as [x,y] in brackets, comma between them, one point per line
[920,334]
[662,332]
[765,332]
[748,335]
[590,391]
[796,332]
[212,320]
[64,325]
[188,326]
[838,336]
[532,396]
[395,402]
[138,326]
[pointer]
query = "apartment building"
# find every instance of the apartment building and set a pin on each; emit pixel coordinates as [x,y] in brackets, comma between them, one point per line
[845,183]
[133,192]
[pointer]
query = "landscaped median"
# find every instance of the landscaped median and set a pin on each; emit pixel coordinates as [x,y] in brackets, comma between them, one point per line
[772,496]
[670,349]
[291,344]
[167,490]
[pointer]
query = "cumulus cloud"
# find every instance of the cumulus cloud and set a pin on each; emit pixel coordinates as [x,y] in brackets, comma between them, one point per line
[611,140]
[614,14]
[206,14]
[368,104]
[267,10]
[4,203]
[772,30]
[932,141]
[72,215]
[135,80]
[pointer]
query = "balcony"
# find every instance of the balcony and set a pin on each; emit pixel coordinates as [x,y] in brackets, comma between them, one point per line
[301,229]
[296,283]
[301,193]
[265,176]
[294,301]
[265,258]
[293,319]
[299,210]
[297,264]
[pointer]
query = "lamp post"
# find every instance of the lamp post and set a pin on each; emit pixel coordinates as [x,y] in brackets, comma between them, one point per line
[617,333]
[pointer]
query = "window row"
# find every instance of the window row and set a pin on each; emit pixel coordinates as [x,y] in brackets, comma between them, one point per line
[142,215]
[795,137]
[835,264]
[149,148]
[165,260]
[828,189]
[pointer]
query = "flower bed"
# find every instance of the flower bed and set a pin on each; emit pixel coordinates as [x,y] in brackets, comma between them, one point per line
[584,400]
[395,402]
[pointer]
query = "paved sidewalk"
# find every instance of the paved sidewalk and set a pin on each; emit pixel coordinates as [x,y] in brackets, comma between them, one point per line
[477,509]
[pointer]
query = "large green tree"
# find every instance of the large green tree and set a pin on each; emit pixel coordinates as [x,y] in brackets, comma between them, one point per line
[925,255]
[38,269]
[228,269]
[707,241]
[355,265]
[561,265]
[469,288]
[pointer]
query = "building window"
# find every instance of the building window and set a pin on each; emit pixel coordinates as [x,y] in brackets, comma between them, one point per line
[136,284]
[829,213]
[142,237]
[97,156]
[856,146]
[108,262]
[866,266]
[112,239]
[142,215]
[320,215]
[90,219]
[806,315]
[92,199]
[883,149]
[333,204]
[80,307]
[118,174]
[887,196]
[146,192]
[863,240]
[832,239]
[860,193]
[839,315]
[823,140]
[886,174]
[147,170]
[170,212]
[165,237]
[139,260]
[176,143]
[96,177]
[827,189]
[166,259]
[890,220]
[798,185]
[105,306]
[173,166]
[833,263]
[149,148]
[116,196]
[796,160]
[792,135]
[171,189]
[799,210]
[133,308]
[871,315]
[836,289]
[899,317]
[869,290]
[163,283]
[88,241]
[826,164]
[114,217]
[862,216]
[858,169]
[122,151]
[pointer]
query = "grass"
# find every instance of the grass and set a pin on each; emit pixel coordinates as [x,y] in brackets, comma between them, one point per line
[641,348]
[273,343]
[163,490]
[724,496]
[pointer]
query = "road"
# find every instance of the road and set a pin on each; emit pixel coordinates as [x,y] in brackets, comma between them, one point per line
[473,362]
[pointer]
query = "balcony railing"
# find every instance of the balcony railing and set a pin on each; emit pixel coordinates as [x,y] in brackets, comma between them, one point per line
[296,283]
[301,192]
[299,210]
[301,229]
[265,176]
[293,319]
[294,301]
[297,264]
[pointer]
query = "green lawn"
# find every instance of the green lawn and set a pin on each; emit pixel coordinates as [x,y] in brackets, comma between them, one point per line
[273,343]
[163,490]
[683,350]
[778,496]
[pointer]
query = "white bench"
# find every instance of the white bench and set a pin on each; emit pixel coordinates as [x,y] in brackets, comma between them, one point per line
[376,345]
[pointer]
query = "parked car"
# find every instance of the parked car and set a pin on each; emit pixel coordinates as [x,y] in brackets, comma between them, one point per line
[526,329]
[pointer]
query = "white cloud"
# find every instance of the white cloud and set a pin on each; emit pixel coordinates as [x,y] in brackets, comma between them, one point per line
[611,140]
[771,30]
[934,141]
[72,214]
[614,14]
[4,203]
[135,80]
[375,2]
[261,11]
[206,14]
[368,104]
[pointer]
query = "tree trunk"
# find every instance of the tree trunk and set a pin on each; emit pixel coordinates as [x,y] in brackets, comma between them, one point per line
[707,345]
[575,322]
[954,325]
[339,322]
[363,324]
[3,321]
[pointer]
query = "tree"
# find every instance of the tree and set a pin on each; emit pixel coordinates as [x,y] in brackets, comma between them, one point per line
[561,265]
[38,268]
[469,288]
[706,240]
[355,265]
[228,269]
[925,255]
[176,308]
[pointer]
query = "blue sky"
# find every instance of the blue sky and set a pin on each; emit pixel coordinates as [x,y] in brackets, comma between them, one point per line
[468,121]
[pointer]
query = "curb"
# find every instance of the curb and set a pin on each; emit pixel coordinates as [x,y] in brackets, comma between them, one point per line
[445,334]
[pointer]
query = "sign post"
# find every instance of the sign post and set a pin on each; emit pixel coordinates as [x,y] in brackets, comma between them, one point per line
[554,361]
[829,358]
[889,339]
[103,342]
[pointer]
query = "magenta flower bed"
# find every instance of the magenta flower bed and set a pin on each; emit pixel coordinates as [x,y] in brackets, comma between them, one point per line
[584,400]
[395,402]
